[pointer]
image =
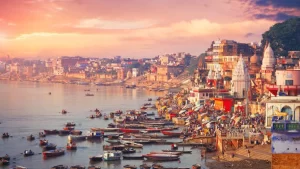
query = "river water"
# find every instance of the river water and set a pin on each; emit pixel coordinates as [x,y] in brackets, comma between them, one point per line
[27,108]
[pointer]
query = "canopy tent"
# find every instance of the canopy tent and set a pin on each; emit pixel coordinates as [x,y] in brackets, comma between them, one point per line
[204,115]
[188,106]
[182,111]
[222,117]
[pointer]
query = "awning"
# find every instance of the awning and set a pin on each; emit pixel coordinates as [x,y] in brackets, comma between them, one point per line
[182,111]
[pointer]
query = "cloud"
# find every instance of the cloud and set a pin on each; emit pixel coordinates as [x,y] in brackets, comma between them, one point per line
[11,24]
[277,10]
[279,3]
[249,35]
[107,24]
[277,17]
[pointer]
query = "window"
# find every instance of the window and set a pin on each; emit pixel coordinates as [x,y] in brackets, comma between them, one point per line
[289,82]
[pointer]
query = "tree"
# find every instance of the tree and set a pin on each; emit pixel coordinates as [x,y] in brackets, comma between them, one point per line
[283,37]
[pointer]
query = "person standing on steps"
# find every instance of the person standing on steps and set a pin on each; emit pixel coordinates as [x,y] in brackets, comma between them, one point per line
[248,153]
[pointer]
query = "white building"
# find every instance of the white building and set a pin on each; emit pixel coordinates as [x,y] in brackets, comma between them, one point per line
[240,82]
[135,72]
[58,71]
[268,61]
[2,66]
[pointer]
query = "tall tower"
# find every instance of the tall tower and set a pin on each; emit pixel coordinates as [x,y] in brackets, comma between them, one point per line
[240,82]
[268,63]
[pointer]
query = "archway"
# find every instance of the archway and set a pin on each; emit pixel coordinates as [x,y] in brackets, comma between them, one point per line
[289,111]
[297,114]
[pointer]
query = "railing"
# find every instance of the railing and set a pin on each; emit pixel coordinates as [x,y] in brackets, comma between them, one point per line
[230,134]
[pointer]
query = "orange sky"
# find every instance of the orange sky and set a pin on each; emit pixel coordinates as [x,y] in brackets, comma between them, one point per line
[131,28]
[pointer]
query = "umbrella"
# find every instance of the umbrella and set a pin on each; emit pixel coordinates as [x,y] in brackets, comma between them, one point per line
[182,111]
[223,117]
[188,106]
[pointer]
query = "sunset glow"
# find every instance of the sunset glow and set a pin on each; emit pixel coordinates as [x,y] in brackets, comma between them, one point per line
[135,28]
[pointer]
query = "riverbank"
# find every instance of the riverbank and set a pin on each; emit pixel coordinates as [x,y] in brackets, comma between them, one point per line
[260,158]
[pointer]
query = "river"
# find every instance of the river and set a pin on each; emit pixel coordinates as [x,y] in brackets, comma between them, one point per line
[27,108]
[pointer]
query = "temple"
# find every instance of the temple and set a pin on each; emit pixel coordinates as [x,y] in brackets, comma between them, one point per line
[240,80]
[268,64]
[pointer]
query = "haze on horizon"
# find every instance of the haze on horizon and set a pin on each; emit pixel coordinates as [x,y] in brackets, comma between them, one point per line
[132,28]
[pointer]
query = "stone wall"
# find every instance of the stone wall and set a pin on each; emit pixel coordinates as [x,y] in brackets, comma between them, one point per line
[285,161]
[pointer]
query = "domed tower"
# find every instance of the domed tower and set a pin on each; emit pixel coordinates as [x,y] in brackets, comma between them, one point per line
[269,61]
[254,65]
[240,83]
[268,64]
[210,78]
[218,79]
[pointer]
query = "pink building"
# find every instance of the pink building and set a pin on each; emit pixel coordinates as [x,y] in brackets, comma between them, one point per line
[287,81]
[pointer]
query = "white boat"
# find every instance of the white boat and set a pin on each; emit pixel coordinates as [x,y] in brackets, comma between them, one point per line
[76,138]
[112,156]
[18,167]
[119,119]
[131,144]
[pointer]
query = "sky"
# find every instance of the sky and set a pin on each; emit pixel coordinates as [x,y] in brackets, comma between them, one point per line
[132,28]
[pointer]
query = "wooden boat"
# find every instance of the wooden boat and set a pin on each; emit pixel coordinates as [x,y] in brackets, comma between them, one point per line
[68,128]
[150,136]
[128,151]
[76,138]
[6,157]
[112,156]
[18,167]
[63,132]
[105,129]
[60,167]
[145,166]
[43,142]
[5,135]
[181,151]
[170,153]
[96,135]
[4,162]
[131,144]
[72,146]
[94,167]
[127,130]
[150,114]
[76,132]
[64,112]
[70,124]
[77,167]
[89,94]
[114,142]
[119,119]
[54,153]
[168,133]
[28,153]
[106,117]
[158,166]
[42,134]
[49,146]
[161,157]
[113,137]
[133,157]
[30,138]
[113,147]
[96,158]
[129,166]
[49,132]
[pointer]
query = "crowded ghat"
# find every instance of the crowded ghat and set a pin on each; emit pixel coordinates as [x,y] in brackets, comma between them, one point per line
[221,135]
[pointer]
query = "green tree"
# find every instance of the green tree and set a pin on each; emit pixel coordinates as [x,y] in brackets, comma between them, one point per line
[283,37]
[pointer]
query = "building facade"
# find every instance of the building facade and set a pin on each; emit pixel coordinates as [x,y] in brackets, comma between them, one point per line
[240,83]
